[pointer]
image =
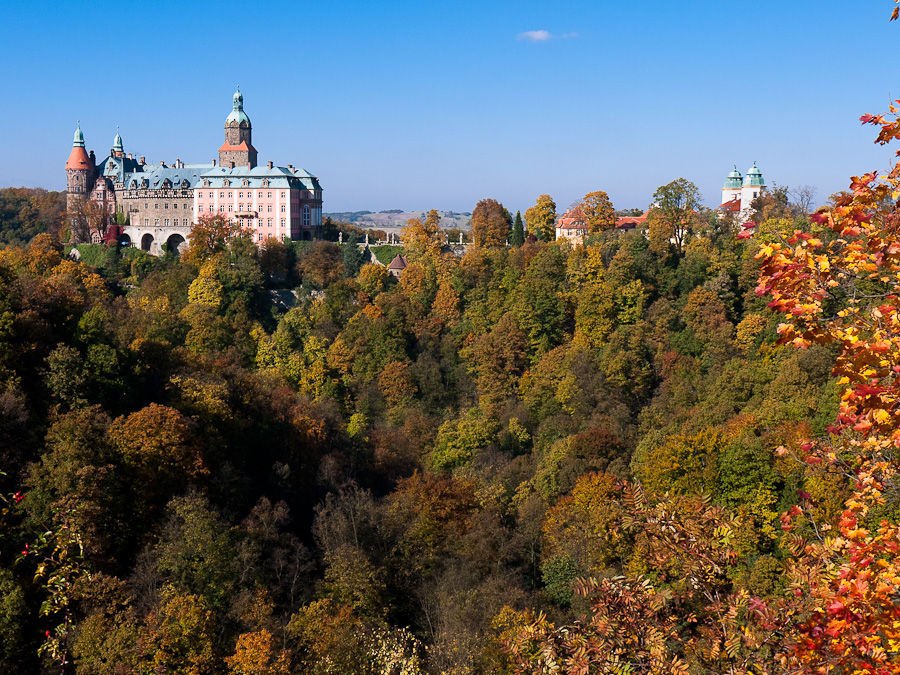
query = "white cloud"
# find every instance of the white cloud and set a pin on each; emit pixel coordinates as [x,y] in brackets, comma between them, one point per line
[534,36]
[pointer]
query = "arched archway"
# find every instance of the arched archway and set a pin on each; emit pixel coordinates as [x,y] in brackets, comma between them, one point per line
[124,240]
[307,236]
[146,242]
[175,244]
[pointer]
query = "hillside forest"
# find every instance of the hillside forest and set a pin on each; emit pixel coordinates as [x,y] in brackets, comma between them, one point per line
[670,450]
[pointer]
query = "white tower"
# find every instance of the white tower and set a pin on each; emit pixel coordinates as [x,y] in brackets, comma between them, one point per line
[753,186]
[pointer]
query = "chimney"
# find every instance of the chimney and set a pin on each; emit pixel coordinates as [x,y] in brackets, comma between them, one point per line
[232,164]
[177,163]
[214,162]
[142,160]
[270,165]
[291,167]
[129,156]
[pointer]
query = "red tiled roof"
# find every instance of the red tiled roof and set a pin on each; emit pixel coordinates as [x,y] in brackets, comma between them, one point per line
[572,219]
[733,206]
[226,147]
[398,263]
[627,222]
[78,159]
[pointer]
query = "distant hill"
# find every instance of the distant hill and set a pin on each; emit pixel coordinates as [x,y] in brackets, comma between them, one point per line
[396,218]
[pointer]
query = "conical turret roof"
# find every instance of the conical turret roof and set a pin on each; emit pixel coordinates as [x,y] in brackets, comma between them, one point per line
[78,158]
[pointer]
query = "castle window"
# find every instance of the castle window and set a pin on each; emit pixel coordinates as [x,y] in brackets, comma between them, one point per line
[305,216]
[282,208]
[269,223]
[184,221]
[175,206]
[240,207]
[221,195]
[282,195]
[230,208]
[167,222]
[211,208]
[156,222]
[259,195]
[240,195]
[226,183]
[270,208]
[222,208]
[146,222]
[270,195]
[166,205]
[230,194]
[282,222]
[146,206]
[156,205]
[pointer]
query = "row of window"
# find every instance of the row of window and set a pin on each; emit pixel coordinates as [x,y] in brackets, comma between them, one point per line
[166,205]
[259,195]
[184,222]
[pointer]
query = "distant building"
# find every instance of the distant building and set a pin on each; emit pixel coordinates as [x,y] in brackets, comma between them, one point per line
[740,191]
[397,265]
[630,222]
[572,225]
[162,202]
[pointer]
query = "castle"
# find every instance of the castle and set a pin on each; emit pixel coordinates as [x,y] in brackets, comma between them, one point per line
[740,191]
[160,203]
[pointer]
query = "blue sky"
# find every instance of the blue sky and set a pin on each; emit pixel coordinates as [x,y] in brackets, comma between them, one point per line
[419,105]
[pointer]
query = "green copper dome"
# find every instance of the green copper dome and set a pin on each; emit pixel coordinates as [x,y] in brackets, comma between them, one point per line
[734,180]
[237,114]
[754,177]
[79,137]
[117,142]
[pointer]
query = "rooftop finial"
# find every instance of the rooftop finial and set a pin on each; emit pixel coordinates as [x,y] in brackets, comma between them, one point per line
[79,137]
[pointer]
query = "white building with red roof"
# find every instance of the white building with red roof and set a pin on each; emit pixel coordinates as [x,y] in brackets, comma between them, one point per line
[740,191]
[572,225]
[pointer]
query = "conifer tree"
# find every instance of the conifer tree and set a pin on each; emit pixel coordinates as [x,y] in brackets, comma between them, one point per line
[518,233]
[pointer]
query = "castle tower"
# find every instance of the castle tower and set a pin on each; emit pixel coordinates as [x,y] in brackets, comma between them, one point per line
[237,149]
[753,186]
[732,188]
[79,172]
[118,150]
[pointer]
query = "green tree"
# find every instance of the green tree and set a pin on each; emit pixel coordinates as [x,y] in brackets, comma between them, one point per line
[518,234]
[541,218]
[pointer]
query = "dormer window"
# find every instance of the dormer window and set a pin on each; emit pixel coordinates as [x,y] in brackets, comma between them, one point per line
[246,182]
[226,182]
[205,182]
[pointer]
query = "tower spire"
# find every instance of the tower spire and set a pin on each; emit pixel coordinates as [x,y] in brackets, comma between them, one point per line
[79,137]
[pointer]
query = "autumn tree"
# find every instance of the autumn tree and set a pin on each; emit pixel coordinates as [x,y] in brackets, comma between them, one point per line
[421,239]
[209,236]
[490,226]
[598,211]
[673,215]
[541,218]
[321,265]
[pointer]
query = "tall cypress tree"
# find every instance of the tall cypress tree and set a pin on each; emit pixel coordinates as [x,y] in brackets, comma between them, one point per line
[518,233]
